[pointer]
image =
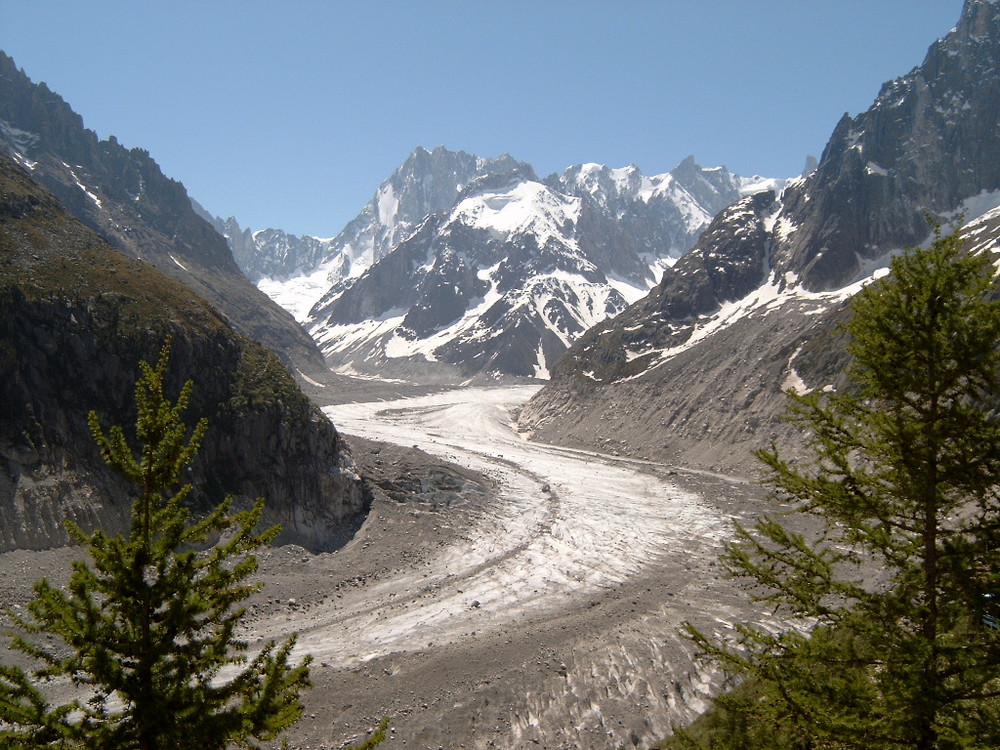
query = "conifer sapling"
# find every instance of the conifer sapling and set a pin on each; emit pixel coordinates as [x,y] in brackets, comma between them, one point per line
[147,628]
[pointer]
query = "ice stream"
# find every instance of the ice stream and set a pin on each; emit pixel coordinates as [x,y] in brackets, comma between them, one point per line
[569,523]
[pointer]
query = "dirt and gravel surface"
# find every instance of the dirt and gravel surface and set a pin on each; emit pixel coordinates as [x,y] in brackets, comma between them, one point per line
[500,593]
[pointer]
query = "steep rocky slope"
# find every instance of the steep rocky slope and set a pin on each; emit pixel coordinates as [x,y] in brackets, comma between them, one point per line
[123,195]
[76,315]
[695,372]
[929,143]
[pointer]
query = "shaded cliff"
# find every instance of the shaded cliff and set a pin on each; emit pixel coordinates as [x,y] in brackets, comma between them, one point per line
[76,316]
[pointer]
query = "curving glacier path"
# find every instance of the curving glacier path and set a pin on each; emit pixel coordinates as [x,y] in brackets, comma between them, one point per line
[570,523]
[588,560]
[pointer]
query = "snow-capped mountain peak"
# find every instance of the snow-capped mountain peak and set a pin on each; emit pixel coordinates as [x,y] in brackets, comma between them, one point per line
[465,265]
[522,207]
[511,272]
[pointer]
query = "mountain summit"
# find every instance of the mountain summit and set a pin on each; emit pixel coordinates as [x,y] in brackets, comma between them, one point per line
[461,266]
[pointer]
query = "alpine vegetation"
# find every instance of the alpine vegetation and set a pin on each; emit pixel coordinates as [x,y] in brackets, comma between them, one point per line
[900,647]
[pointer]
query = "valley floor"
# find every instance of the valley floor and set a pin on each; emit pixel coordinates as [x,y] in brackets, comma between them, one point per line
[541,612]
[528,597]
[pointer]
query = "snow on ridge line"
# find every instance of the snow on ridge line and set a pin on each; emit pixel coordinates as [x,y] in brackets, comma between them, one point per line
[981,207]
[517,209]
[527,206]
[757,184]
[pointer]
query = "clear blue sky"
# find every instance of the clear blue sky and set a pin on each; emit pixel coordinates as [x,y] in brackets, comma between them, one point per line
[289,114]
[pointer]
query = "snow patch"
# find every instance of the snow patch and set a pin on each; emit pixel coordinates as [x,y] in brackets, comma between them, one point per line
[24,161]
[348,337]
[388,205]
[779,225]
[21,140]
[592,300]
[793,381]
[658,266]
[87,192]
[397,346]
[976,206]
[980,234]
[309,379]
[528,207]
[541,367]
[631,291]
[785,227]
[299,294]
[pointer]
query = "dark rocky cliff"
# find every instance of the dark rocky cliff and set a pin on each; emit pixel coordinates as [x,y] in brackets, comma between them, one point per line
[76,316]
[929,142]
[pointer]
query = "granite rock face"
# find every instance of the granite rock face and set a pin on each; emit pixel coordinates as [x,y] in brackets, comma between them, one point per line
[927,144]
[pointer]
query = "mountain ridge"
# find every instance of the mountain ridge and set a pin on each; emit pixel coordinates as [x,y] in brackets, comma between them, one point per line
[752,309]
[437,311]
[123,195]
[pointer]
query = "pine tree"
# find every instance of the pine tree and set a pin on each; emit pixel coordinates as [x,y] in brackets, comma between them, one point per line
[147,629]
[897,646]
